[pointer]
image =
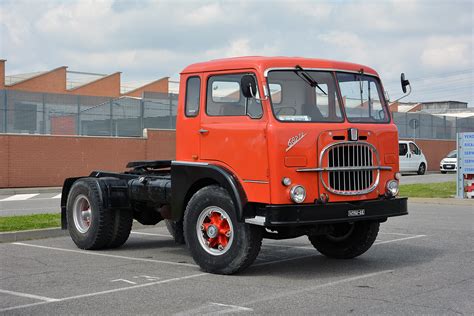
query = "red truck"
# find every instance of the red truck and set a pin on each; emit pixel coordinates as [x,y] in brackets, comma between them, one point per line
[266,147]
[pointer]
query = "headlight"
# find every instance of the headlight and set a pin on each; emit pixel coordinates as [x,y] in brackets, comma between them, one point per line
[298,194]
[392,188]
[398,175]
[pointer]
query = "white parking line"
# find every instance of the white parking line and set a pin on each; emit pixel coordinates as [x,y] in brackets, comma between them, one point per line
[151,234]
[376,243]
[57,196]
[282,294]
[399,239]
[104,292]
[231,309]
[19,197]
[92,253]
[283,260]
[399,234]
[36,297]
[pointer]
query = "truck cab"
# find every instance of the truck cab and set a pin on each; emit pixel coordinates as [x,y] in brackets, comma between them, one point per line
[266,147]
[326,137]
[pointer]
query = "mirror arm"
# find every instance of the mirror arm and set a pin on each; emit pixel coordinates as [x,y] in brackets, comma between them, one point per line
[403,96]
[254,95]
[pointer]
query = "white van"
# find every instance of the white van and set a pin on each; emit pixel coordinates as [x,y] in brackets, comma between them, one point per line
[411,157]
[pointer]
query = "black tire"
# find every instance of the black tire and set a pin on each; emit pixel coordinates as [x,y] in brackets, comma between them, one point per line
[100,231]
[347,241]
[247,239]
[421,169]
[175,228]
[123,220]
[444,172]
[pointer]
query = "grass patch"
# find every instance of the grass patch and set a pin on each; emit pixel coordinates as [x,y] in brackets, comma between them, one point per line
[429,190]
[25,222]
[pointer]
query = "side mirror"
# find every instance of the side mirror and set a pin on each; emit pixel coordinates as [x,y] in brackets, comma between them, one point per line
[248,86]
[404,82]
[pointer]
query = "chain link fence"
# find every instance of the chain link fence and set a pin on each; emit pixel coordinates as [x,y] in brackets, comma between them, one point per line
[431,126]
[66,114]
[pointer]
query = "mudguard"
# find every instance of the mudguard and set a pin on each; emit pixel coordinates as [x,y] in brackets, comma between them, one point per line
[189,177]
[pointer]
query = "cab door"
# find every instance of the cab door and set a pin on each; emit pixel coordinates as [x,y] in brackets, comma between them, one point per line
[404,157]
[187,126]
[233,131]
[416,158]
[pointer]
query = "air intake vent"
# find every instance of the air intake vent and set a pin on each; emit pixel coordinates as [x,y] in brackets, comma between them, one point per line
[352,168]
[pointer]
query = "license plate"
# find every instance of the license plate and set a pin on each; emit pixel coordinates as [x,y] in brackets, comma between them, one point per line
[449,167]
[359,212]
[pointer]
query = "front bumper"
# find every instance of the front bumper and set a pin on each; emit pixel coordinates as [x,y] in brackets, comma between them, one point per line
[311,214]
[448,167]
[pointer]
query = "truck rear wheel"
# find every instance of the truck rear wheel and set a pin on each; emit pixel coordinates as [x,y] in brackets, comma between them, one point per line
[90,225]
[123,220]
[217,241]
[347,241]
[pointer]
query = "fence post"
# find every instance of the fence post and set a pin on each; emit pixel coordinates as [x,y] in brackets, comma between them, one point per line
[406,125]
[78,117]
[43,129]
[5,106]
[171,110]
[445,128]
[111,114]
[142,116]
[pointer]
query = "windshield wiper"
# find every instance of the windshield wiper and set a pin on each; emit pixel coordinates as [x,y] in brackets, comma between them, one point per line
[300,72]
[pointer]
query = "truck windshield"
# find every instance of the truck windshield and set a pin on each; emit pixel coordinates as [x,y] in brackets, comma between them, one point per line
[295,99]
[363,98]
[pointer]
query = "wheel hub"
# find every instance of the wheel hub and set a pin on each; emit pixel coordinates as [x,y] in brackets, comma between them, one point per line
[82,213]
[214,230]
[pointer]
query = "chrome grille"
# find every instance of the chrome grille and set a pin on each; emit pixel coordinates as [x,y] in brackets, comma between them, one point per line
[352,168]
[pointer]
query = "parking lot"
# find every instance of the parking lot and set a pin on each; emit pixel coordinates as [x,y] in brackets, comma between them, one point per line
[421,264]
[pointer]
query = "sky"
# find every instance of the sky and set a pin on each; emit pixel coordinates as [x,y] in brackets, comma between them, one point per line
[431,41]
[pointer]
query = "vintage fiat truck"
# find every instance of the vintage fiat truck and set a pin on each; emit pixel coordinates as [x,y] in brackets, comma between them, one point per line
[266,147]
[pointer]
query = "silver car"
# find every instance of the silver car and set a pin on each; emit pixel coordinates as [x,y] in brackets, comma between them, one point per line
[449,163]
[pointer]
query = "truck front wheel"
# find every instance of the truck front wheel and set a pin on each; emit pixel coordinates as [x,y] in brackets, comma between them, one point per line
[347,240]
[217,241]
[90,225]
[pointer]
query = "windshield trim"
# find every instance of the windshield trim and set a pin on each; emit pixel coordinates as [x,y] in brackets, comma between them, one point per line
[267,70]
[339,103]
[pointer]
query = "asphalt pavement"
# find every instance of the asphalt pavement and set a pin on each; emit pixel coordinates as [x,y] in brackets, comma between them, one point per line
[434,177]
[420,264]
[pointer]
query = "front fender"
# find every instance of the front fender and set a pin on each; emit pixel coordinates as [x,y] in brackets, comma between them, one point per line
[188,177]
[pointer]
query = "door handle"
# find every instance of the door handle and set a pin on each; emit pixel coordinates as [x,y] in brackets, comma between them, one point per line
[203,131]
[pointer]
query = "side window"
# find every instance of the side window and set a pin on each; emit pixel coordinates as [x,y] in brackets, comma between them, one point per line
[414,149]
[402,149]
[193,87]
[224,98]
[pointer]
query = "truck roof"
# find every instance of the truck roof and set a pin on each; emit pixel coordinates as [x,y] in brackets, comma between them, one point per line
[263,63]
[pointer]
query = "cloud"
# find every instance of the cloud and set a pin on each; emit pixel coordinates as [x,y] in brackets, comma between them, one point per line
[440,50]
[147,39]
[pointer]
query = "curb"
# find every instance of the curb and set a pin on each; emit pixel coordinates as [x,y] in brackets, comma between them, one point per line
[30,190]
[32,234]
[46,233]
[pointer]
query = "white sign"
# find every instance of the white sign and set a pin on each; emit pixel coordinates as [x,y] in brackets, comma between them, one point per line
[465,147]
